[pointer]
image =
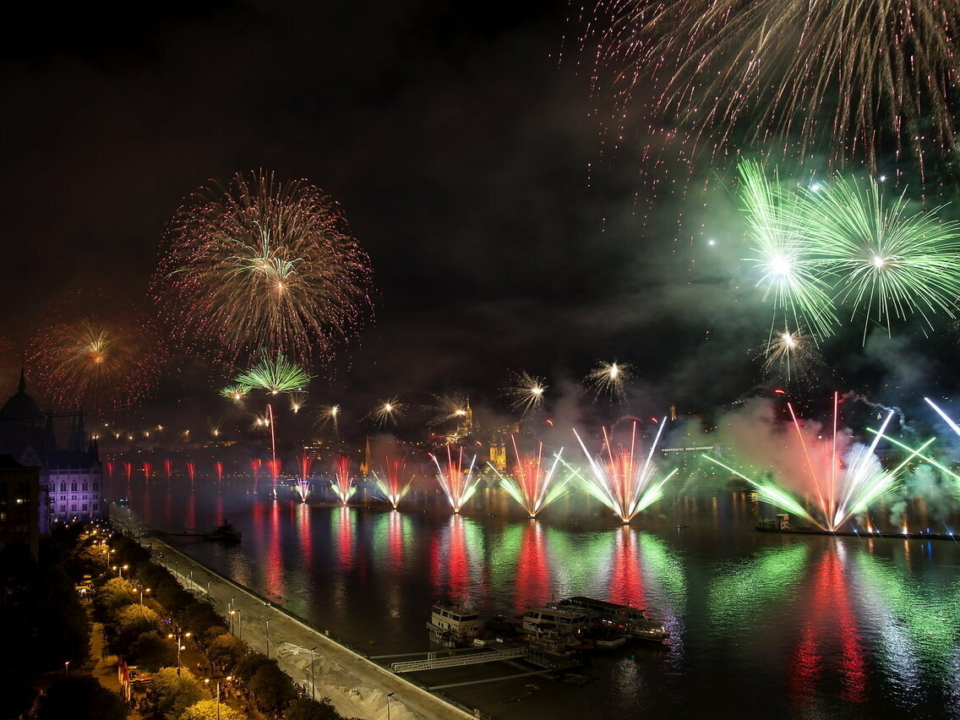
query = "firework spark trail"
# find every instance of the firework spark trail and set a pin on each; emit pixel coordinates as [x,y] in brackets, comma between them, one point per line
[624,483]
[772,494]
[458,485]
[191,471]
[526,393]
[794,73]
[918,452]
[128,470]
[387,412]
[255,465]
[531,483]
[260,264]
[92,353]
[846,481]
[609,379]
[392,481]
[790,274]
[889,262]
[303,482]
[219,468]
[342,482]
[168,469]
[147,471]
[942,414]
[330,414]
[273,374]
[792,356]
[450,407]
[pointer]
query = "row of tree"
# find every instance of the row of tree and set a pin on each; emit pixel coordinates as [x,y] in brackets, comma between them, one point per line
[137,633]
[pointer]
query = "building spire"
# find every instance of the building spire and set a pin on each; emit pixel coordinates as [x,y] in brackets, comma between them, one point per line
[22,387]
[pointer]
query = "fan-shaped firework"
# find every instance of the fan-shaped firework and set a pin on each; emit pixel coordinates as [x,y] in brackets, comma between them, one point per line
[891,261]
[849,72]
[304,462]
[236,392]
[844,478]
[342,482]
[609,379]
[261,264]
[533,484]
[92,354]
[526,393]
[790,274]
[458,484]
[624,481]
[274,375]
[392,480]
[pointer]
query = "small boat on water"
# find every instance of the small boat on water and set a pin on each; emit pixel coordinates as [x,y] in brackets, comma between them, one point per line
[224,532]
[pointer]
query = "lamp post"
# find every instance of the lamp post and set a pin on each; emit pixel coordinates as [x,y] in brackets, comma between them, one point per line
[142,591]
[218,679]
[267,633]
[313,674]
[239,625]
[66,668]
[179,637]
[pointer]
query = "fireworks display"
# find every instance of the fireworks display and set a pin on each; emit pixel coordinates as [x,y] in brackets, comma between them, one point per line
[304,463]
[624,480]
[526,393]
[791,357]
[392,480]
[805,75]
[789,273]
[609,380]
[387,412]
[531,482]
[342,482]
[260,264]
[272,374]
[844,477]
[96,353]
[457,483]
[891,262]
[837,244]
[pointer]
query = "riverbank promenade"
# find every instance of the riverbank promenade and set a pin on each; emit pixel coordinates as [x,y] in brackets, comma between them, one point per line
[355,685]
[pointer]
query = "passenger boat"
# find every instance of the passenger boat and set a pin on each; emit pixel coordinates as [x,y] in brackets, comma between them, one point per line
[452,625]
[621,619]
[565,620]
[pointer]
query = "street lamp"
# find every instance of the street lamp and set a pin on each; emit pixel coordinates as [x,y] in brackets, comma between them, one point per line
[267,633]
[66,668]
[218,679]
[180,647]
[239,626]
[142,591]
[313,674]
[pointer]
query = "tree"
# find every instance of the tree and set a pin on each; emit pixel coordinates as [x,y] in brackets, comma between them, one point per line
[80,698]
[207,710]
[130,622]
[226,649]
[151,651]
[272,687]
[249,664]
[112,596]
[307,709]
[175,693]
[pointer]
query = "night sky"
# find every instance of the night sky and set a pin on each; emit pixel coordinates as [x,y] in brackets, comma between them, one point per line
[469,159]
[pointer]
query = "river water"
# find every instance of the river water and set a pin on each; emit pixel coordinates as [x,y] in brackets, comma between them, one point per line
[787,626]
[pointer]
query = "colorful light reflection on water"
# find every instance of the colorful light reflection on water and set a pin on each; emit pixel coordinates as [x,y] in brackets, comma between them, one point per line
[801,627]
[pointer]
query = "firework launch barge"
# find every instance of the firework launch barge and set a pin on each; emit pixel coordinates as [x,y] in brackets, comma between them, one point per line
[781,525]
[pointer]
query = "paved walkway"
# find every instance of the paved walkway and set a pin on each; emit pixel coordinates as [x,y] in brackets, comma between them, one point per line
[355,685]
[104,666]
